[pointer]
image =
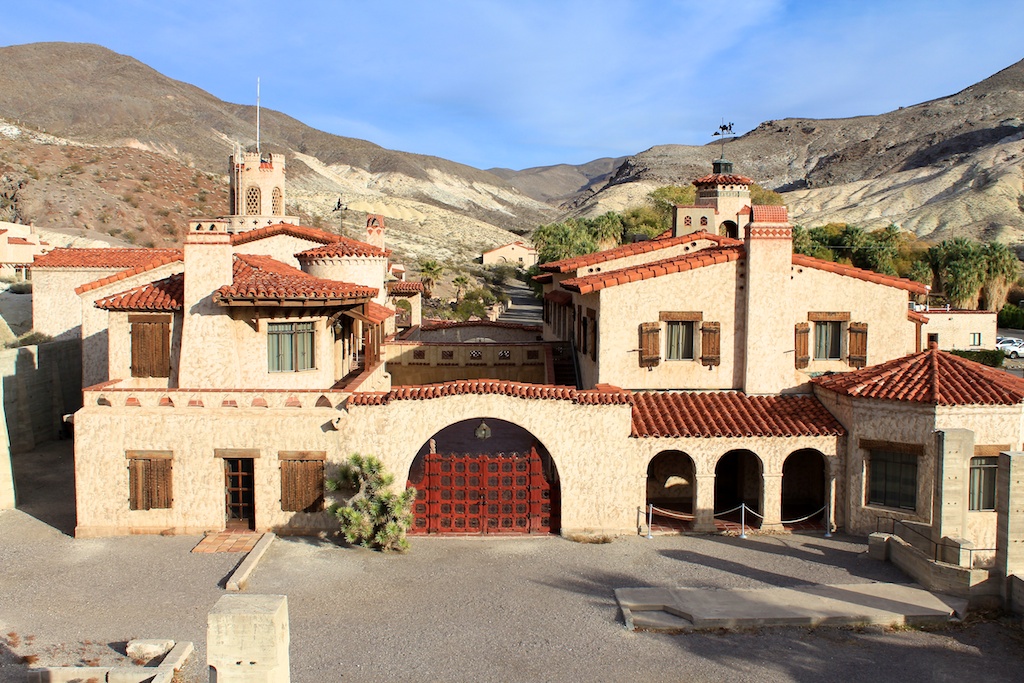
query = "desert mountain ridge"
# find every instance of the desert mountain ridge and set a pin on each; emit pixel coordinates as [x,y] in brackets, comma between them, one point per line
[97,145]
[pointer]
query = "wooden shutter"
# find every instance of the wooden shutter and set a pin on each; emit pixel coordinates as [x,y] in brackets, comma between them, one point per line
[592,314]
[149,483]
[710,344]
[302,485]
[160,486]
[802,345]
[650,344]
[151,347]
[137,483]
[858,344]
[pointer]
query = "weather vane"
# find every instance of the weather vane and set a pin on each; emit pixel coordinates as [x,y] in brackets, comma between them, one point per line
[725,131]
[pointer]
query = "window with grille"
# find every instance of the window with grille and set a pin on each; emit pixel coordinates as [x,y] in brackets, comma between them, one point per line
[302,482]
[149,480]
[290,347]
[892,479]
[252,201]
[704,221]
[151,345]
[277,202]
[983,483]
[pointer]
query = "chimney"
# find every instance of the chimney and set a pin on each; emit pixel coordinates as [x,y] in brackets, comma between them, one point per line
[375,230]
[768,349]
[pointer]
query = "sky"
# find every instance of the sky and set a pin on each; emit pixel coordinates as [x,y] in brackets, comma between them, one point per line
[523,83]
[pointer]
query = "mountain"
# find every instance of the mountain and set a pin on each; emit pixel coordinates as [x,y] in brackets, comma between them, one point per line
[948,166]
[71,94]
[555,184]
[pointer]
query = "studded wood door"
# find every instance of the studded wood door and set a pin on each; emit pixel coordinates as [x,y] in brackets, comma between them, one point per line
[483,494]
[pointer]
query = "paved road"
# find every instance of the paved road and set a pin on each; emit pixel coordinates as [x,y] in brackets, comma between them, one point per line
[525,308]
[526,609]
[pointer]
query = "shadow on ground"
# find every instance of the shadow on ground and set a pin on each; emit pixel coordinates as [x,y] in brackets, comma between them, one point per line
[44,482]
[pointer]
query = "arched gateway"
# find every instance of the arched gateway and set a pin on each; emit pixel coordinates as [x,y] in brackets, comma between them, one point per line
[484,476]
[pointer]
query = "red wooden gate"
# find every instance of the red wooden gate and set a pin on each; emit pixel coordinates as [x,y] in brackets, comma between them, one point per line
[482,494]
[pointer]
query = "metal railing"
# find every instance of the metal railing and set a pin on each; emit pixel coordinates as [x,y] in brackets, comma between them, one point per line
[935,547]
[743,509]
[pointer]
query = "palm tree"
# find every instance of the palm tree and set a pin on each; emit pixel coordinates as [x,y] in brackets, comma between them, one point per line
[960,269]
[430,271]
[460,282]
[1002,269]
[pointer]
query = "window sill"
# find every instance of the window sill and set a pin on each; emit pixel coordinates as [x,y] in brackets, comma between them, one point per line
[885,508]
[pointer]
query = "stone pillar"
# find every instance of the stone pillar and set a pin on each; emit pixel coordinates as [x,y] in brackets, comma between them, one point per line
[771,502]
[704,503]
[247,639]
[1010,515]
[955,449]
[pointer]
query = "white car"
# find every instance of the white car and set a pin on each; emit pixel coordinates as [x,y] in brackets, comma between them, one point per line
[1014,348]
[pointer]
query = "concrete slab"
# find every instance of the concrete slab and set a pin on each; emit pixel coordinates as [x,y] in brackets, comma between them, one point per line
[812,605]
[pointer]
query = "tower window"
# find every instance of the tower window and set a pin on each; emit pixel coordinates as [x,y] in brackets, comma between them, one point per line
[277,201]
[703,221]
[687,221]
[252,201]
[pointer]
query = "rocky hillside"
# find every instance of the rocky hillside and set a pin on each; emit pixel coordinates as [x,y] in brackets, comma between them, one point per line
[951,165]
[71,95]
[562,182]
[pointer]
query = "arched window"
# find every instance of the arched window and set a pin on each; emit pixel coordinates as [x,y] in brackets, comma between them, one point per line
[703,221]
[277,201]
[252,201]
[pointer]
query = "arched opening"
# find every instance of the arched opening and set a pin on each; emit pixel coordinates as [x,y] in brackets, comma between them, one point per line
[277,202]
[253,201]
[670,482]
[803,485]
[730,229]
[484,476]
[738,480]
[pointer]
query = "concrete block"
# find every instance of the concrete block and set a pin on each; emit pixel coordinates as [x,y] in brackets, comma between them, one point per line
[133,674]
[67,674]
[878,546]
[148,649]
[247,639]
[177,657]
[236,582]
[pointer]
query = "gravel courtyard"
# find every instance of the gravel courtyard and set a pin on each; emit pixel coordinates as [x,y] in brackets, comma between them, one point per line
[526,609]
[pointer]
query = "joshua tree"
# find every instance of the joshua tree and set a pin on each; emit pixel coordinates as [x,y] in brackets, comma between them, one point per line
[374,516]
[430,271]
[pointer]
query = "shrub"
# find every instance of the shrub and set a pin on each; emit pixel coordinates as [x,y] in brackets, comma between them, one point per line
[21,287]
[1012,317]
[991,357]
[30,338]
[374,516]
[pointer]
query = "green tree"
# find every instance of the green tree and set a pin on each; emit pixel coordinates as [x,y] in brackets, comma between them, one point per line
[765,197]
[606,229]
[460,282]
[644,220]
[666,199]
[1002,268]
[557,241]
[960,270]
[430,271]
[374,516]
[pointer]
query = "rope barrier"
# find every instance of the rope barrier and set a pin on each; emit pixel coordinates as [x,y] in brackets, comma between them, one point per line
[742,507]
[803,519]
[719,514]
[673,514]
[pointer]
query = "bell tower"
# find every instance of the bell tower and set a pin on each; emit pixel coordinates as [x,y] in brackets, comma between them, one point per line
[257,191]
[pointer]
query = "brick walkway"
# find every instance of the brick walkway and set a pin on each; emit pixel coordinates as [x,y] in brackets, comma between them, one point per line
[227,542]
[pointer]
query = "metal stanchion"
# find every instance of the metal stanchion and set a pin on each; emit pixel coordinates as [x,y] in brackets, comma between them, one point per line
[650,519]
[743,520]
[828,517]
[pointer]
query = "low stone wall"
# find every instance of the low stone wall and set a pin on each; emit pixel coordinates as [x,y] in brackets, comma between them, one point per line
[979,586]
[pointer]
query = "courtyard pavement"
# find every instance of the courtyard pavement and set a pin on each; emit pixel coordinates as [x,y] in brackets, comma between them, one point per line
[460,609]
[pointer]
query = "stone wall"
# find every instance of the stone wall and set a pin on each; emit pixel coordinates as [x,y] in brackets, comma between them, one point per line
[410,363]
[981,587]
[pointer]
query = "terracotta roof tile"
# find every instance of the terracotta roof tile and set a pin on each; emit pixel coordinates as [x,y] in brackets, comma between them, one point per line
[676,264]
[511,244]
[729,414]
[933,377]
[162,295]
[70,257]
[544,278]
[261,278]
[723,179]
[377,313]
[646,246]
[769,214]
[404,287]
[343,246]
[916,317]
[159,257]
[558,296]
[860,273]
[17,240]
[300,231]
[602,396]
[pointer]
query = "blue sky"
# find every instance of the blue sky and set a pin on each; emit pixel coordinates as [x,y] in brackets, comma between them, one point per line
[520,83]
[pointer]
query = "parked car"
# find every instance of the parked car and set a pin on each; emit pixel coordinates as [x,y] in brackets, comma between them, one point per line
[1014,348]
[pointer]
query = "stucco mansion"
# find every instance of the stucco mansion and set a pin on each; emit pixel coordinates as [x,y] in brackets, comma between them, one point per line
[705,368]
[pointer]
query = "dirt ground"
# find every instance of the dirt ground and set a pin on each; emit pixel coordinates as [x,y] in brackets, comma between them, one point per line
[456,609]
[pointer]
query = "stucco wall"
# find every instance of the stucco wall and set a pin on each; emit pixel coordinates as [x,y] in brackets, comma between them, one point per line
[56,309]
[280,247]
[515,254]
[368,271]
[955,329]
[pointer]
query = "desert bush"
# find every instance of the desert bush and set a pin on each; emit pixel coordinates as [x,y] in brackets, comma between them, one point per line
[374,516]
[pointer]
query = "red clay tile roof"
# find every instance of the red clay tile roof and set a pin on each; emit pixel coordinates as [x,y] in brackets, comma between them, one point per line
[437,324]
[404,287]
[915,317]
[676,264]
[343,246]
[159,257]
[70,257]
[602,396]
[17,240]
[769,214]
[665,235]
[300,231]
[162,295]
[377,313]
[510,244]
[559,297]
[860,273]
[723,179]
[261,278]
[544,278]
[933,377]
[729,414]
[646,246]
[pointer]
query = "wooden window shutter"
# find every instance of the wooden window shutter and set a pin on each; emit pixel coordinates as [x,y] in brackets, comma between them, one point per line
[137,483]
[710,344]
[802,346]
[160,489]
[592,314]
[151,349]
[302,485]
[650,344]
[149,484]
[858,345]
